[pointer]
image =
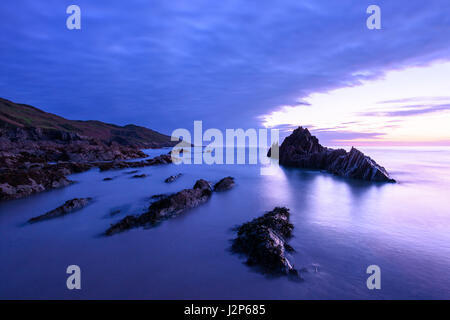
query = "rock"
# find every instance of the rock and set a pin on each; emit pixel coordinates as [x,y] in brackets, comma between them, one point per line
[224,184]
[202,184]
[114,165]
[107,179]
[166,207]
[303,150]
[132,172]
[139,176]
[68,207]
[158,196]
[114,212]
[38,150]
[18,183]
[263,241]
[172,178]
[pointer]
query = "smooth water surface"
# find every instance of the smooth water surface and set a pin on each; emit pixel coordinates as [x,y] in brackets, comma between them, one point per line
[341,227]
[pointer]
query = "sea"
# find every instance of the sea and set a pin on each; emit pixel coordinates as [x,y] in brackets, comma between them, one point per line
[341,228]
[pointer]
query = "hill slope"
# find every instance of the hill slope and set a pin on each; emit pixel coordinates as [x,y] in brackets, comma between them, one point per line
[14,115]
[38,150]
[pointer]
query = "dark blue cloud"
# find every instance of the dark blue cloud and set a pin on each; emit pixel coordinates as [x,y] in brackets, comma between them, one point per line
[164,64]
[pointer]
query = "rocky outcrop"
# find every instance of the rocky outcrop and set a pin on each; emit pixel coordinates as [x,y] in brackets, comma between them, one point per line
[28,179]
[172,178]
[114,165]
[69,206]
[224,184]
[263,241]
[35,145]
[38,149]
[303,150]
[166,207]
[40,126]
[24,179]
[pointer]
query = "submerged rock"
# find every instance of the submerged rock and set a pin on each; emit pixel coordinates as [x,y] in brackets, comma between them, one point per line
[173,178]
[158,196]
[139,176]
[224,184]
[114,212]
[162,159]
[303,150]
[68,207]
[166,207]
[263,241]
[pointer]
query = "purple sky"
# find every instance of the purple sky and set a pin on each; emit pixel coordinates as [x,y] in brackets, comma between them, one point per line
[164,64]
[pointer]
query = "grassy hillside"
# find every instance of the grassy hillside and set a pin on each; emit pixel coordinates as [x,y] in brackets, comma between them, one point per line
[21,115]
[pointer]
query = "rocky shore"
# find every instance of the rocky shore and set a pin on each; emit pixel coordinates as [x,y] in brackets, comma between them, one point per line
[264,241]
[166,206]
[38,149]
[303,150]
[31,177]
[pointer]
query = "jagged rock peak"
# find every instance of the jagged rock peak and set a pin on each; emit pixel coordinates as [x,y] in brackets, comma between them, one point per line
[303,150]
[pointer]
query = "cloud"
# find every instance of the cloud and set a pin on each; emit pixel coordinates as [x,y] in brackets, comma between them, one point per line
[415,99]
[164,64]
[408,110]
[330,136]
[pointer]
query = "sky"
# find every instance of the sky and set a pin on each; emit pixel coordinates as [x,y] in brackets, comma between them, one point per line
[237,64]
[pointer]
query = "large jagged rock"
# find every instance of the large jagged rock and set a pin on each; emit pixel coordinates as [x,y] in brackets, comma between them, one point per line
[68,207]
[263,241]
[166,207]
[303,150]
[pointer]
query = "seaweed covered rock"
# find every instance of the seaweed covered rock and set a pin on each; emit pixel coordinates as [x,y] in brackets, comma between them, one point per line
[18,183]
[69,206]
[224,184]
[166,207]
[120,164]
[264,241]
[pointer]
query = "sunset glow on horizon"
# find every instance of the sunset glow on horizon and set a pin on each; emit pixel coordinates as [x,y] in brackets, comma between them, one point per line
[404,107]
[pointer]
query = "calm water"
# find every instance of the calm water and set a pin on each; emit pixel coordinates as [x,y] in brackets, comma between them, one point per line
[341,227]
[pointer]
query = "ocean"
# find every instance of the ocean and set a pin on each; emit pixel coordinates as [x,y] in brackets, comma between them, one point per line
[341,227]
